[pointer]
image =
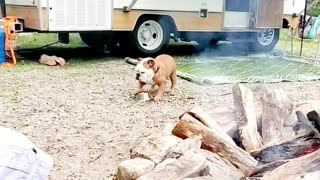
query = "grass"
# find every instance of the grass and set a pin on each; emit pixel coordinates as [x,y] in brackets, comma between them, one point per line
[41,39]
[76,53]
[309,46]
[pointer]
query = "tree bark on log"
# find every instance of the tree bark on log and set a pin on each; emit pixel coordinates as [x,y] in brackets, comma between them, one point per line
[298,167]
[218,167]
[276,108]
[304,125]
[198,114]
[215,142]
[226,118]
[263,169]
[131,61]
[246,114]
[190,164]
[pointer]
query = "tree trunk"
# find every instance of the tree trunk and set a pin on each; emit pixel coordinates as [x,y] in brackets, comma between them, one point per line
[215,141]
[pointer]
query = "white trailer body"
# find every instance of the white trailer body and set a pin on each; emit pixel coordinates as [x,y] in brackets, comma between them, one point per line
[186,19]
[292,7]
[292,10]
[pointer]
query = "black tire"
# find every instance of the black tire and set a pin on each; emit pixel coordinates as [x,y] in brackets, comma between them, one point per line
[257,45]
[141,48]
[98,40]
[93,39]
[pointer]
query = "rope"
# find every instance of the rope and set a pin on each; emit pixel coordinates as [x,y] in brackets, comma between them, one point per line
[31,49]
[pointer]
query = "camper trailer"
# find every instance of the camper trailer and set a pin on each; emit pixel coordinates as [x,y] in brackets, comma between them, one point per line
[146,26]
[292,10]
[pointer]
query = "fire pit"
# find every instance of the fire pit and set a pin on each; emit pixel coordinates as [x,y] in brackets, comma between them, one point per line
[205,146]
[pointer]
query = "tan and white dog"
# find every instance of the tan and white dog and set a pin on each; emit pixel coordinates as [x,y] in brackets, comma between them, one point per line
[156,72]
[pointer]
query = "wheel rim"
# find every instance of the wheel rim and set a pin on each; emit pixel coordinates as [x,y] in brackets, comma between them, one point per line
[150,35]
[265,37]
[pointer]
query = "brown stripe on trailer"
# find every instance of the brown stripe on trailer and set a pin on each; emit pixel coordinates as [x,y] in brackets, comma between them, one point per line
[30,16]
[185,21]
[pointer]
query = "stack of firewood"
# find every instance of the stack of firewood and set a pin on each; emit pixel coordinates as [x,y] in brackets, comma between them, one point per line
[258,146]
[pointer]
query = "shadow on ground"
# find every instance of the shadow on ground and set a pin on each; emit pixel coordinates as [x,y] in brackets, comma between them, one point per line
[86,53]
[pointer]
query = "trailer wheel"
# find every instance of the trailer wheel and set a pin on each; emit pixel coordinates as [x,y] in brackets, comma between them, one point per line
[94,39]
[264,40]
[150,36]
[100,41]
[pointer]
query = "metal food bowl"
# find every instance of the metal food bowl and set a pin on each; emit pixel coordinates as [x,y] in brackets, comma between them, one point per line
[144,96]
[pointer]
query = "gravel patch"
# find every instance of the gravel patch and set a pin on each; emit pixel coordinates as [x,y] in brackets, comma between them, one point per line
[87,119]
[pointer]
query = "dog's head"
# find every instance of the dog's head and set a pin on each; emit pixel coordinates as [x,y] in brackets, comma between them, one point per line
[146,69]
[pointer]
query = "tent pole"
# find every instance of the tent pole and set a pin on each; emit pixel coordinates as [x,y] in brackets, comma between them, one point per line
[303,26]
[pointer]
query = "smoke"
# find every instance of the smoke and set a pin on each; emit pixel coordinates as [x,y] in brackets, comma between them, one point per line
[219,44]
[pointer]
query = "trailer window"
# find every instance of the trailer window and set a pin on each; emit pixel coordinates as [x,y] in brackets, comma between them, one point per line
[237,5]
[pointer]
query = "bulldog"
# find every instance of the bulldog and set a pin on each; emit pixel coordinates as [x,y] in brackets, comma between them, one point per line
[156,72]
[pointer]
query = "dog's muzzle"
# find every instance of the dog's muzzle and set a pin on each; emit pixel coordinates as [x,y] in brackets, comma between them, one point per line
[137,76]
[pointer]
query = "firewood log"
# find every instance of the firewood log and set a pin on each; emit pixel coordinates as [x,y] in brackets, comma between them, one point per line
[215,141]
[299,167]
[276,108]
[295,147]
[246,114]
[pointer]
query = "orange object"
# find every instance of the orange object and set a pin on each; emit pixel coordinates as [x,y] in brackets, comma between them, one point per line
[8,23]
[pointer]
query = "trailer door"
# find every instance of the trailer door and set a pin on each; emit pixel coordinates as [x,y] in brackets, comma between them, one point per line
[80,15]
[269,13]
[236,15]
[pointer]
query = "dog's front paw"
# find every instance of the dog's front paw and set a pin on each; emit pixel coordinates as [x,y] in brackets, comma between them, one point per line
[152,90]
[172,93]
[157,98]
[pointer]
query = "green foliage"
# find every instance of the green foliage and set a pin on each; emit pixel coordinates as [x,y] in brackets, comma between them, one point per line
[315,10]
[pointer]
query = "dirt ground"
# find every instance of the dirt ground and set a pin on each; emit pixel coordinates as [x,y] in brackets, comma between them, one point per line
[87,119]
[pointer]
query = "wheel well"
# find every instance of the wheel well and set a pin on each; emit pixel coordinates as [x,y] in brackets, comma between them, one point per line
[285,23]
[166,18]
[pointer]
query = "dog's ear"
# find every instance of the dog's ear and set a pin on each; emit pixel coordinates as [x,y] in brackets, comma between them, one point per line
[152,64]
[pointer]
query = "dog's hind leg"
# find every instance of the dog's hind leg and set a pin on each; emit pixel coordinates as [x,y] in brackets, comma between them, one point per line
[173,78]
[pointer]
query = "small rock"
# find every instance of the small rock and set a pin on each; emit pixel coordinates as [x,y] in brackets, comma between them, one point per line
[155,149]
[189,165]
[134,168]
